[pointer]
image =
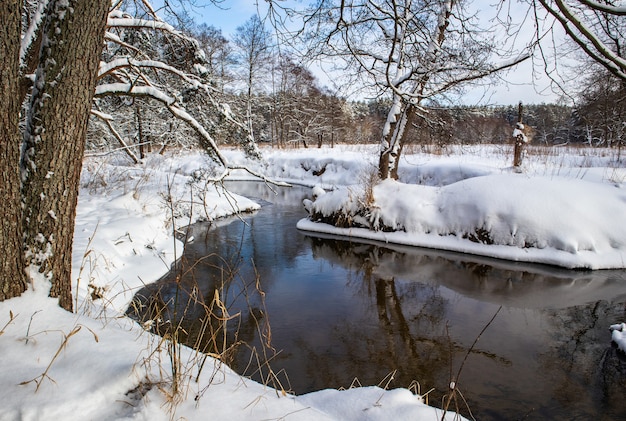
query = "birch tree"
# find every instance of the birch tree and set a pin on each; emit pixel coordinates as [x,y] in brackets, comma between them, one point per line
[411,50]
[253,44]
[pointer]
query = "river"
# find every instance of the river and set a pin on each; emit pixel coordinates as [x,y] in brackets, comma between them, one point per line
[335,314]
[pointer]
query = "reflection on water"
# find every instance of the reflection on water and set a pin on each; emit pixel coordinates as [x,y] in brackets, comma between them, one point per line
[340,311]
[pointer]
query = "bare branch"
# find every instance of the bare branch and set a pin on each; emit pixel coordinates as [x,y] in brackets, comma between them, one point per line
[107,120]
[582,35]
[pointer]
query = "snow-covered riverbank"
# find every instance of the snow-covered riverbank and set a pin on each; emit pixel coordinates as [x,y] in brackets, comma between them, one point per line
[97,364]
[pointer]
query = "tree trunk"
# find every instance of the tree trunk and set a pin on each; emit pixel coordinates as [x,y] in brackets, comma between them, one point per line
[12,265]
[393,140]
[140,138]
[55,135]
[385,160]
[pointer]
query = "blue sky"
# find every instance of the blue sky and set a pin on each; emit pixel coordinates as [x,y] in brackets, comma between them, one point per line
[522,86]
[226,15]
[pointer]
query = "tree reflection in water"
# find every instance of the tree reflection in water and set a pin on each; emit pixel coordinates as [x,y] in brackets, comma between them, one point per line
[340,311]
[547,356]
[411,337]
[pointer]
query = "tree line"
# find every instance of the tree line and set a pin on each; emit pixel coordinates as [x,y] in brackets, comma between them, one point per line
[284,104]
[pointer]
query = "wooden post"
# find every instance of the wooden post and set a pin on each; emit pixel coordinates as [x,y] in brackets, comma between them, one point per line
[519,138]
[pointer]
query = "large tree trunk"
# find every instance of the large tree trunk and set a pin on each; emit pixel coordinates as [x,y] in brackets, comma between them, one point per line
[12,266]
[55,135]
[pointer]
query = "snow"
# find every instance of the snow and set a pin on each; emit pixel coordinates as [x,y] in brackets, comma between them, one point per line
[124,22]
[97,364]
[576,223]
[128,88]
[618,334]
[522,225]
[518,133]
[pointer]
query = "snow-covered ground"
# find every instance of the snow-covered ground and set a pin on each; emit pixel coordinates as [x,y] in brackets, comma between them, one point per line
[577,222]
[565,208]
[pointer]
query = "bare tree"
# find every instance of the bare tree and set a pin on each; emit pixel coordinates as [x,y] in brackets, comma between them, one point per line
[294,113]
[601,112]
[218,52]
[412,50]
[253,43]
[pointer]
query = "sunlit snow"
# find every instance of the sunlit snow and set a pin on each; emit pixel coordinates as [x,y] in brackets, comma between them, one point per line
[97,364]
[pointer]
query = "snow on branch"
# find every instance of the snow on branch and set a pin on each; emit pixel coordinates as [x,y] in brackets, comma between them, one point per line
[586,39]
[605,8]
[30,35]
[134,90]
[180,113]
[127,22]
[120,20]
[152,92]
[140,65]
[127,62]
[133,76]
[111,37]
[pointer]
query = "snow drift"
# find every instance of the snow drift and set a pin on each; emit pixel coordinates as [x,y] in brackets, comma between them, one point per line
[559,221]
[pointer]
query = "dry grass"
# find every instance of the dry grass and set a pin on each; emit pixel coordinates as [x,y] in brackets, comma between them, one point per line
[190,330]
[38,380]
[191,326]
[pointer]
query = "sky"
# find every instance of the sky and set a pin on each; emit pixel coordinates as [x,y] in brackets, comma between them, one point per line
[526,83]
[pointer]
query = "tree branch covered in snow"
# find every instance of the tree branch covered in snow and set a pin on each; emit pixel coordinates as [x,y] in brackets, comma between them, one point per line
[590,29]
[605,8]
[149,58]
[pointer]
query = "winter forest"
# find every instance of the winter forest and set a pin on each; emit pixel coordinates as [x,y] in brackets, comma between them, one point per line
[316,216]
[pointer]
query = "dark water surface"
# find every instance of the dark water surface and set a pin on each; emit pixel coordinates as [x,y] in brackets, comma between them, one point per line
[340,311]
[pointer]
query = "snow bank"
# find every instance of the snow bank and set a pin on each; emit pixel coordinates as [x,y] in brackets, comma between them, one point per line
[559,221]
[327,167]
[127,218]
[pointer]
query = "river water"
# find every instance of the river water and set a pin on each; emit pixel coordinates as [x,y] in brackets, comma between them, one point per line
[341,314]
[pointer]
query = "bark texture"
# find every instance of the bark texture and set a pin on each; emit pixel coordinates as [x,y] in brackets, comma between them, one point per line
[389,159]
[12,266]
[55,135]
